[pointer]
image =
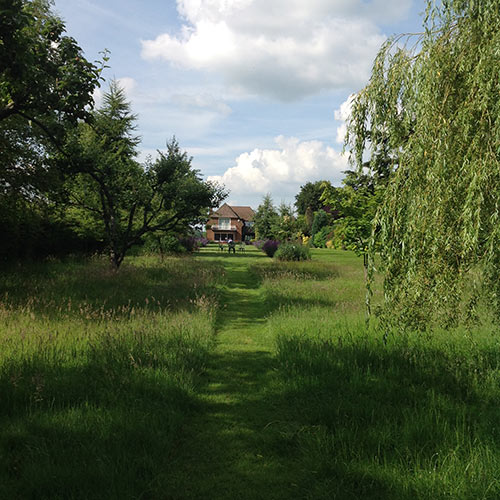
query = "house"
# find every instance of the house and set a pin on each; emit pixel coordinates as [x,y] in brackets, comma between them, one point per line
[229,222]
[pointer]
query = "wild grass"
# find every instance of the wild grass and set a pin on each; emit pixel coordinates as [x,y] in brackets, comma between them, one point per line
[376,414]
[235,376]
[98,372]
[336,286]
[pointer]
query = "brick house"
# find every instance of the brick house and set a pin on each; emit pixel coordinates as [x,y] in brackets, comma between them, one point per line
[229,222]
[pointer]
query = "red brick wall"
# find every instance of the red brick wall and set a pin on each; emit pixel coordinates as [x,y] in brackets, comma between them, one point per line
[234,222]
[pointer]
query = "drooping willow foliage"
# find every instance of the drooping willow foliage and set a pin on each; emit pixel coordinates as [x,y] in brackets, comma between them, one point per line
[430,115]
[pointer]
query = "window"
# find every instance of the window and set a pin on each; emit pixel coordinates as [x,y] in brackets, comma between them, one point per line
[224,223]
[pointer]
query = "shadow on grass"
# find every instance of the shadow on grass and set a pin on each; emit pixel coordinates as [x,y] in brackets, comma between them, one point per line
[319,421]
[375,421]
[94,430]
[328,429]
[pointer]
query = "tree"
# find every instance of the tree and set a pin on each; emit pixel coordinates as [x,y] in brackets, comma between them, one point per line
[44,77]
[46,86]
[266,219]
[121,199]
[434,110]
[286,225]
[321,220]
[309,196]
[355,204]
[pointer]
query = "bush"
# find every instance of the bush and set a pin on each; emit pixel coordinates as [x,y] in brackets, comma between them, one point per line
[322,236]
[201,242]
[293,251]
[190,243]
[163,244]
[270,247]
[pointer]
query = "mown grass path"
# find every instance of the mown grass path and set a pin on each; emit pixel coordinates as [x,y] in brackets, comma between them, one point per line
[232,448]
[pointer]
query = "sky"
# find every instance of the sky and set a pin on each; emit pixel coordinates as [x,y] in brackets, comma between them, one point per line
[256,91]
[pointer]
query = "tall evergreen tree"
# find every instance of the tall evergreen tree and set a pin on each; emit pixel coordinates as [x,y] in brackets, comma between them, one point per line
[266,219]
[114,195]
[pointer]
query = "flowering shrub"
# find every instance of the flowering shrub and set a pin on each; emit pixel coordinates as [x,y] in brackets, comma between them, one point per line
[258,244]
[293,251]
[201,242]
[270,247]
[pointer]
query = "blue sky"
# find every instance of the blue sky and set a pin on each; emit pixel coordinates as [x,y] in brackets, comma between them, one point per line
[255,90]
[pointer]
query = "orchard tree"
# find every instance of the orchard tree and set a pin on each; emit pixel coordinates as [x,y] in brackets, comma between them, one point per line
[123,200]
[44,77]
[432,108]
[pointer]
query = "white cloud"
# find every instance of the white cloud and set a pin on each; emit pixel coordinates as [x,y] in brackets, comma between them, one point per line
[342,114]
[285,49]
[201,102]
[128,84]
[283,170]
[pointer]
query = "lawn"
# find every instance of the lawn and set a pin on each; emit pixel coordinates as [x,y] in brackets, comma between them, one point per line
[235,376]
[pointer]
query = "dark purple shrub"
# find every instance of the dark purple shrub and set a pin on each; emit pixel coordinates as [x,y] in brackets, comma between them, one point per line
[270,247]
[189,243]
[202,242]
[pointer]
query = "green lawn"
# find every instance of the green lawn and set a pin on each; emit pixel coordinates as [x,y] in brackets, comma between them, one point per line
[234,376]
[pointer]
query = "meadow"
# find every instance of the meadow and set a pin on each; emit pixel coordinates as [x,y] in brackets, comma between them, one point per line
[224,377]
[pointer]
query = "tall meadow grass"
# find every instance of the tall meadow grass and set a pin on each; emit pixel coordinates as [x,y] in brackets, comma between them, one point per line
[98,372]
[380,414]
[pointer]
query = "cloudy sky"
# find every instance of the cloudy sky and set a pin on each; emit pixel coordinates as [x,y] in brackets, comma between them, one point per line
[256,91]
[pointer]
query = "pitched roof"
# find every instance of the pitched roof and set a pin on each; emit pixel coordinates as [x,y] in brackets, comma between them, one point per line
[245,213]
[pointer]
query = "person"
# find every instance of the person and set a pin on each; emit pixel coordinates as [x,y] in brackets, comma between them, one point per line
[231,246]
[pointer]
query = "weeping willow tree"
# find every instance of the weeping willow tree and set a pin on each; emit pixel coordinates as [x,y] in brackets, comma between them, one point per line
[430,116]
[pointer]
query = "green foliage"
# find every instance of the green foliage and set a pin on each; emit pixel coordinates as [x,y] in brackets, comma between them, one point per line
[286,226]
[266,219]
[162,244]
[356,203]
[46,86]
[434,111]
[321,220]
[45,82]
[126,199]
[309,196]
[292,252]
[322,236]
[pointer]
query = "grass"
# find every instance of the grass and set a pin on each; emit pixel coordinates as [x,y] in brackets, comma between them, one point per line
[98,373]
[226,377]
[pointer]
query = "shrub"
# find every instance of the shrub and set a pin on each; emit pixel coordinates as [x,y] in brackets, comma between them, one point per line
[163,244]
[270,247]
[258,244]
[201,242]
[322,236]
[293,251]
[190,243]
